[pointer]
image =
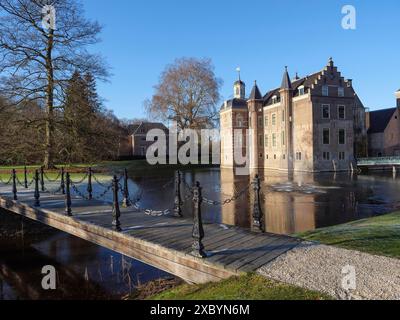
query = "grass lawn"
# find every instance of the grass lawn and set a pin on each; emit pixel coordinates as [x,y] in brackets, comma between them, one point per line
[247,287]
[378,235]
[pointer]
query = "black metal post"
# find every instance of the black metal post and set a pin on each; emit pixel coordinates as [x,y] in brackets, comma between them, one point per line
[62,184]
[178,199]
[37,192]
[126,202]
[257,211]
[68,202]
[90,187]
[116,212]
[14,187]
[42,178]
[198,230]
[25,178]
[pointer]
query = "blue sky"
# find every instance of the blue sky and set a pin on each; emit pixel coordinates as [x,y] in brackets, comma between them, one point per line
[261,36]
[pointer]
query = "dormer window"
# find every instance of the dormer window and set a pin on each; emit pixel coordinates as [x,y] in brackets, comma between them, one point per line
[341,92]
[274,99]
[301,91]
[325,91]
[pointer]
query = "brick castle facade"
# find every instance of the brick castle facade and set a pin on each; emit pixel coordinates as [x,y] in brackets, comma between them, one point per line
[312,124]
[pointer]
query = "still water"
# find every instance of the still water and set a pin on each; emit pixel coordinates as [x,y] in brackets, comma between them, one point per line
[291,204]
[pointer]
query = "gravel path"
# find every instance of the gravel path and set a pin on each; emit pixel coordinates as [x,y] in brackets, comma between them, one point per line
[319,267]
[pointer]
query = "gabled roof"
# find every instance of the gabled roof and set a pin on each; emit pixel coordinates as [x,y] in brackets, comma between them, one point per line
[306,82]
[255,93]
[135,128]
[379,120]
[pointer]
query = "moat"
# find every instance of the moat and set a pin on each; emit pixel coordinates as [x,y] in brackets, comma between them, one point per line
[291,204]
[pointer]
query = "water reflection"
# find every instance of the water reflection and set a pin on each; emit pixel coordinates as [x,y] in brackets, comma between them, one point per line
[84,271]
[291,202]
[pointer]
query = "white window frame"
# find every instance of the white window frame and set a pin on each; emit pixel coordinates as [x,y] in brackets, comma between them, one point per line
[344,109]
[323,132]
[322,111]
[274,117]
[344,130]
[301,91]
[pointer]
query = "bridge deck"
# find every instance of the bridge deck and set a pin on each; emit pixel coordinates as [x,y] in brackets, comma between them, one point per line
[163,242]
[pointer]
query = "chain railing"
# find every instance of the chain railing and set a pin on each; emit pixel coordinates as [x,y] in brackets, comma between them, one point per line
[121,196]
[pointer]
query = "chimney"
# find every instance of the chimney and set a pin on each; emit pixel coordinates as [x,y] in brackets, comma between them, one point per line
[398,98]
[349,83]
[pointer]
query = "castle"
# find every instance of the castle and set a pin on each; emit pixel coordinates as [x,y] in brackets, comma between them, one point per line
[312,124]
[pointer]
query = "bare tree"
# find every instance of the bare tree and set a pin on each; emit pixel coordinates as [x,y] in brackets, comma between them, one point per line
[187,93]
[37,61]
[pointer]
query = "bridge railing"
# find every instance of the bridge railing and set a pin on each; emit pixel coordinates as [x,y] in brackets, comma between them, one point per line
[378,161]
[119,186]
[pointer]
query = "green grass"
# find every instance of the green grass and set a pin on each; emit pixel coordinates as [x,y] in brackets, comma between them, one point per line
[247,287]
[378,235]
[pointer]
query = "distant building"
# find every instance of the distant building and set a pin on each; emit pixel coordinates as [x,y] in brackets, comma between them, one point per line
[384,131]
[135,145]
[315,123]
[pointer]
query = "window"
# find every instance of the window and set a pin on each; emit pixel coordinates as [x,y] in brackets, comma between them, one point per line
[342,136]
[326,139]
[266,142]
[274,119]
[266,120]
[261,155]
[325,91]
[283,138]
[341,92]
[275,156]
[298,156]
[260,141]
[283,115]
[326,155]
[326,111]
[260,122]
[342,112]
[301,91]
[342,156]
[239,120]
[274,99]
[274,140]
[284,157]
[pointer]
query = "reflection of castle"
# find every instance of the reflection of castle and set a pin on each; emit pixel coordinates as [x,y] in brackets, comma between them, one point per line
[291,203]
[315,123]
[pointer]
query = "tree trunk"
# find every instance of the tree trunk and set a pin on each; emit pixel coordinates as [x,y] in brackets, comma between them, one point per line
[48,152]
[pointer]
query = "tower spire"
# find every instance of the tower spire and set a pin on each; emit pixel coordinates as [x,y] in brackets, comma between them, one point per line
[286,83]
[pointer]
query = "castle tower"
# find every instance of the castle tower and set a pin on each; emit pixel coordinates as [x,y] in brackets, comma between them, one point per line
[286,93]
[256,126]
[239,88]
[234,118]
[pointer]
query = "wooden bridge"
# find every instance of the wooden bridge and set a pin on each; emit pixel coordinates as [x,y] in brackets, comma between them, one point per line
[165,242]
[381,163]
